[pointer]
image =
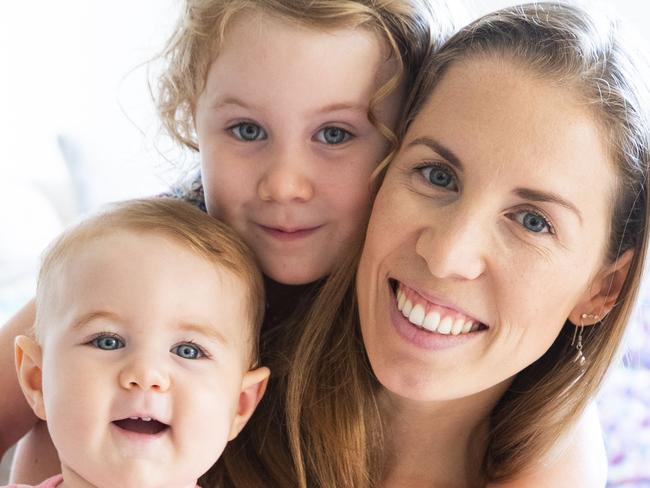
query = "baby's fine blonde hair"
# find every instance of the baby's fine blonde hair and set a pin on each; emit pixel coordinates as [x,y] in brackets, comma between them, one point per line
[409,27]
[167,217]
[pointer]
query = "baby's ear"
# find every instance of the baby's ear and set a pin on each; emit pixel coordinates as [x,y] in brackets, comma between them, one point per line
[253,387]
[604,290]
[29,361]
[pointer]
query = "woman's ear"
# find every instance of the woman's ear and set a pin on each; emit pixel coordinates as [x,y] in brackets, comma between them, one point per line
[29,362]
[603,293]
[253,387]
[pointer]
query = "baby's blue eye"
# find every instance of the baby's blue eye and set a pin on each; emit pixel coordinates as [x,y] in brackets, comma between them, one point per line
[248,131]
[107,343]
[333,135]
[187,351]
[439,176]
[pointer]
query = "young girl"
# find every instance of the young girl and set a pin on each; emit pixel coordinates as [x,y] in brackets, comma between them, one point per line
[291,105]
[501,263]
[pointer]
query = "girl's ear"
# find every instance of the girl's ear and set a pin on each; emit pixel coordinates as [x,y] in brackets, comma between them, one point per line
[603,293]
[253,387]
[29,361]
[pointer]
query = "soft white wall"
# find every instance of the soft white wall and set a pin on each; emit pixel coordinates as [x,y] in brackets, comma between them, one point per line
[72,71]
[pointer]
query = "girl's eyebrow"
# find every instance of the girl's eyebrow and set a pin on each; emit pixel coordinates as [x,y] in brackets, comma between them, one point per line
[339,106]
[439,148]
[222,102]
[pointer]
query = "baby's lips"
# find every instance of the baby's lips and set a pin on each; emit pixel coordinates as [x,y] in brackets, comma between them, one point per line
[141,425]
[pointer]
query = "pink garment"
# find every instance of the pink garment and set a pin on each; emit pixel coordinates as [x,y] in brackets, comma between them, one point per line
[52,482]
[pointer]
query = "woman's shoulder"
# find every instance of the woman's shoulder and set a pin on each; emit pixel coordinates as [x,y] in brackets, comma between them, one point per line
[578,460]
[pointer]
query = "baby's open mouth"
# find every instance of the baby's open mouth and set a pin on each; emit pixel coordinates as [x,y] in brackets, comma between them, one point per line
[141,425]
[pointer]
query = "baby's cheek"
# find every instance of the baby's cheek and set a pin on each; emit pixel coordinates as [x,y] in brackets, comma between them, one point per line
[207,421]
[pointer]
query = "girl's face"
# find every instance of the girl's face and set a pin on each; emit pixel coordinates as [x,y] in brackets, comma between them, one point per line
[490,230]
[286,146]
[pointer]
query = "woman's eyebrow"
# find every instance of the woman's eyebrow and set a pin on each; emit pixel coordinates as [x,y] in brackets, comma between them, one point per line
[543,196]
[436,146]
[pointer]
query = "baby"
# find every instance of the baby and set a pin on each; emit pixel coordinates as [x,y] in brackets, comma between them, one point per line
[142,378]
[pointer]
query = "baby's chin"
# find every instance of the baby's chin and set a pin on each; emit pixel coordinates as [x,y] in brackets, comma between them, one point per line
[130,478]
[136,473]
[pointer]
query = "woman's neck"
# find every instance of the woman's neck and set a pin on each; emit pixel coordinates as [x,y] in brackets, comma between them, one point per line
[436,443]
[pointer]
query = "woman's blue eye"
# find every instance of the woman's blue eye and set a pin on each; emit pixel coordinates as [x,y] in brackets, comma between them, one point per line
[533,222]
[247,131]
[333,135]
[187,351]
[439,176]
[107,343]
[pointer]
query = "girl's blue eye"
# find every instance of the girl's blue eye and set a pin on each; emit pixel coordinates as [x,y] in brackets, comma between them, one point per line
[107,343]
[248,131]
[187,351]
[534,222]
[440,176]
[333,135]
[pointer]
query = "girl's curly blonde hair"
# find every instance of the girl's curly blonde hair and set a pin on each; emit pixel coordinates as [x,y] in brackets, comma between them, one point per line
[409,27]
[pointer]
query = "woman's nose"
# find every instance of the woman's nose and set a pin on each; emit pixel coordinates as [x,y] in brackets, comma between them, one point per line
[454,247]
[286,178]
[145,373]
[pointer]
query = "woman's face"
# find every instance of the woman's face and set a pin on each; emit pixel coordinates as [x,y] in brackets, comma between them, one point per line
[489,231]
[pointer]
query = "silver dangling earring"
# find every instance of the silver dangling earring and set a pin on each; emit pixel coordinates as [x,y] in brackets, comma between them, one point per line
[580,358]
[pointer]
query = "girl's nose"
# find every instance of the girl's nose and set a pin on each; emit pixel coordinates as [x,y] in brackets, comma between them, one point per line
[454,247]
[144,373]
[286,179]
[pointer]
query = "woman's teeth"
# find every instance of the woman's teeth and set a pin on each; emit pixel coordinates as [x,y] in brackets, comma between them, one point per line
[434,320]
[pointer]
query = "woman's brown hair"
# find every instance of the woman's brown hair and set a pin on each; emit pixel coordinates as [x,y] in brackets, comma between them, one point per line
[331,401]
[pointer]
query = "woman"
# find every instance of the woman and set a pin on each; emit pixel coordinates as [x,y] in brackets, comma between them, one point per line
[501,261]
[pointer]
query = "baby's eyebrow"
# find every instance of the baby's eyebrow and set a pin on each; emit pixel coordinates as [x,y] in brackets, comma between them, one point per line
[209,331]
[86,318]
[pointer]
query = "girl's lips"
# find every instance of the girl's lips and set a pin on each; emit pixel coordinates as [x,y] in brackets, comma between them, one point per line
[284,234]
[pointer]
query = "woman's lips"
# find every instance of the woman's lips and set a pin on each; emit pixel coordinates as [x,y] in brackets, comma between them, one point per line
[289,234]
[427,339]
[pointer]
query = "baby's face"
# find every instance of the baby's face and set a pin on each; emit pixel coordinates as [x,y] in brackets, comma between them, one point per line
[144,351]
